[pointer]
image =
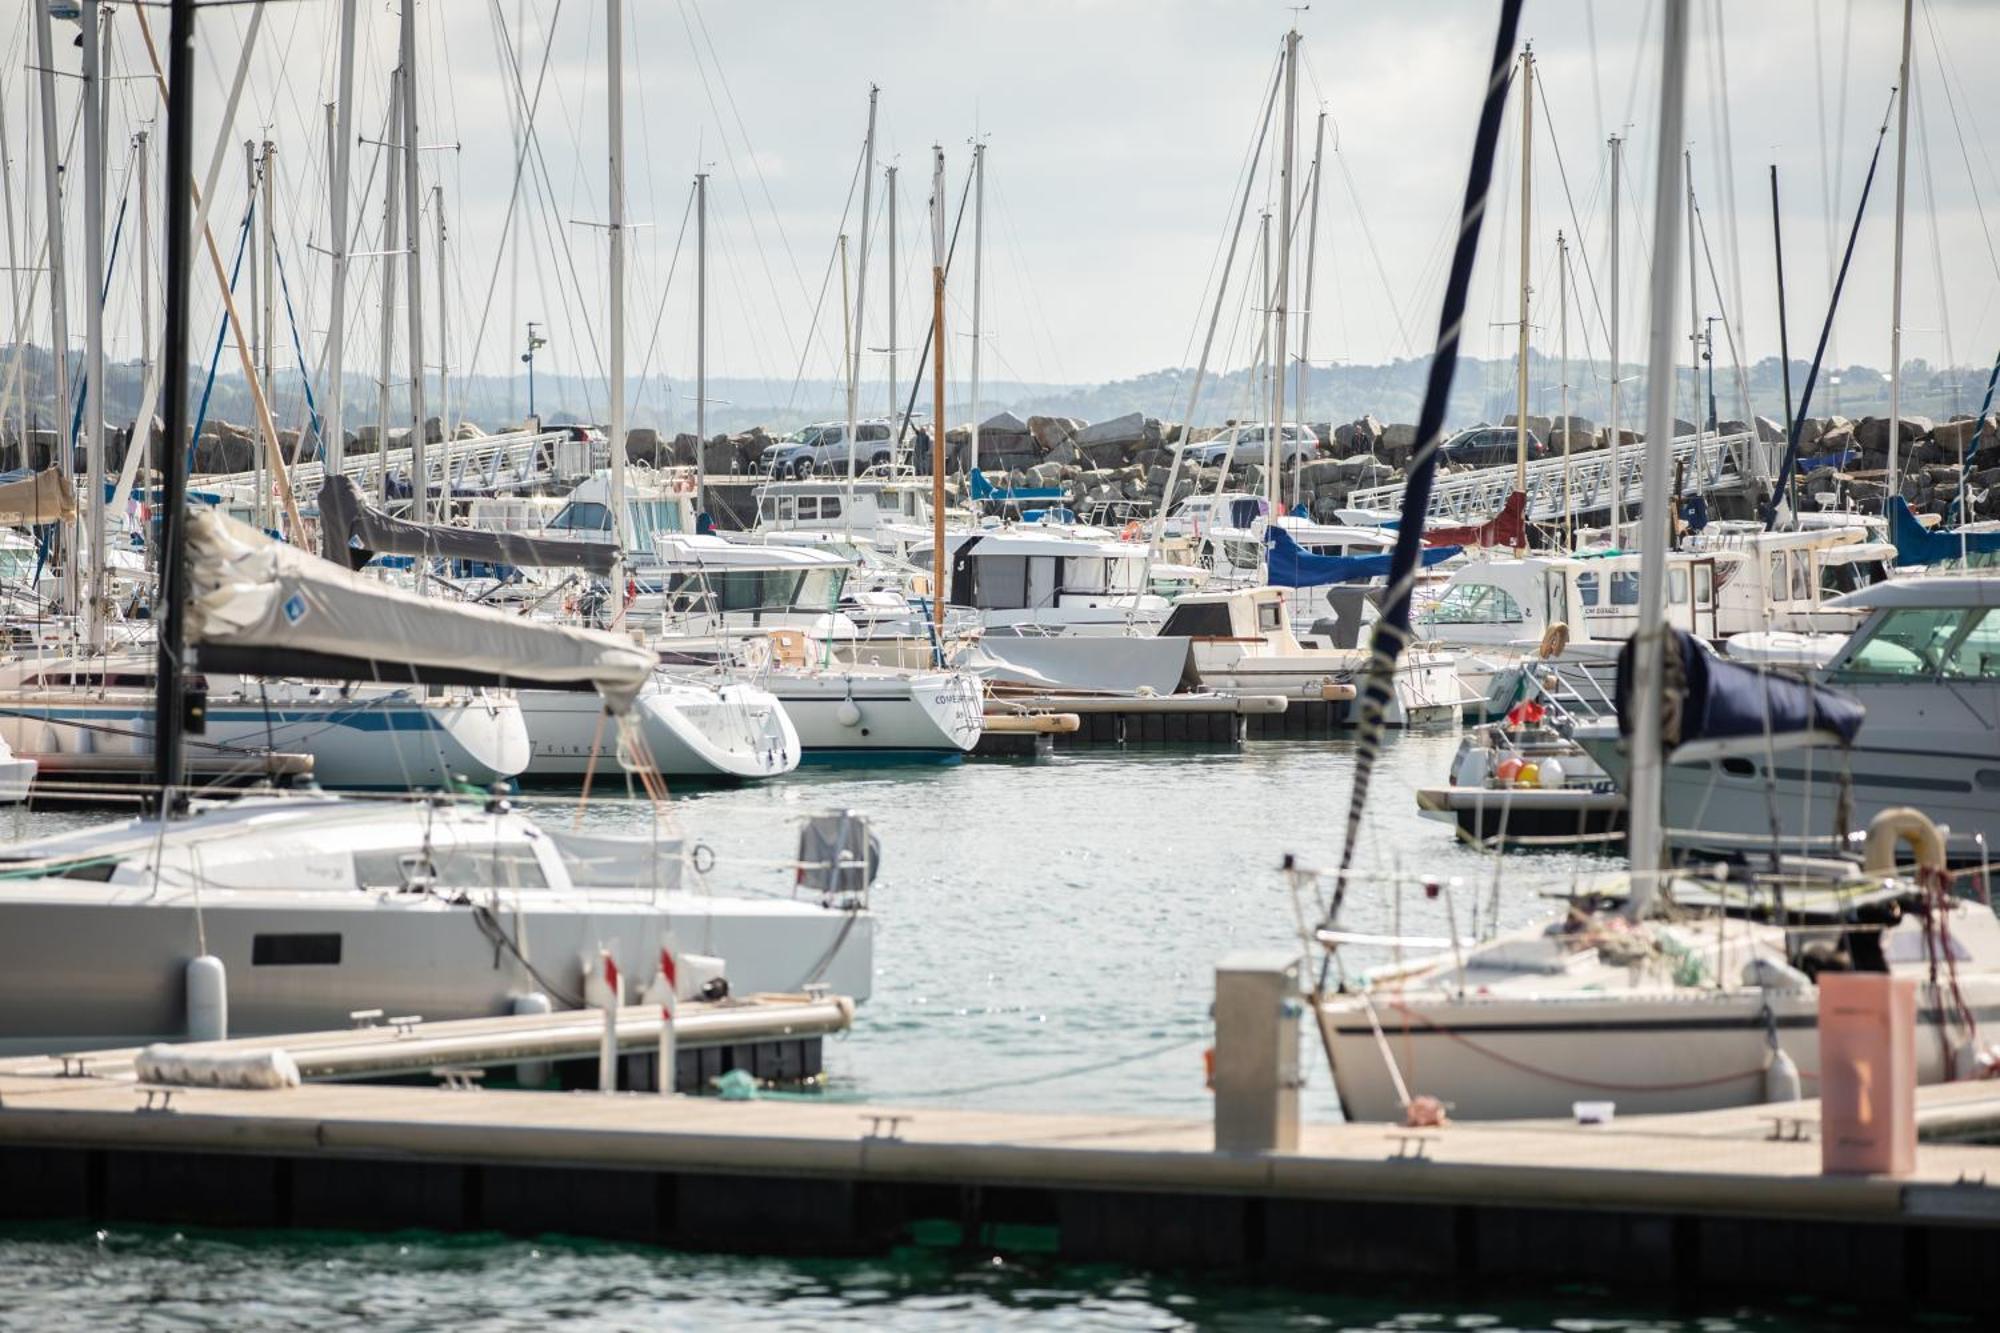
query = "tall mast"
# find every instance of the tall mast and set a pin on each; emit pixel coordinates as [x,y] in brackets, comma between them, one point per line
[1272,437]
[700,342]
[58,300]
[93,317]
[1306,312]
[386,288]
[1895,486]
[444,339]
[253,242]
[938,588]
[143,430]
[614,54]
[268,287]
[333,449]
[1665,533]
[1562,350]
[1527,228]
[860,295]
[1644,839]
[1617,479]
[1264,342]
[894,282]
[978,271]
[413,277]
[174,365]
[14,279]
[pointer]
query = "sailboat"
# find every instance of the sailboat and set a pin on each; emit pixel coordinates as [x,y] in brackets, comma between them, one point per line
[1660,990]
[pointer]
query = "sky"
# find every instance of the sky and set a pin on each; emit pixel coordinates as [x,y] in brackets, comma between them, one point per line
[1116,134]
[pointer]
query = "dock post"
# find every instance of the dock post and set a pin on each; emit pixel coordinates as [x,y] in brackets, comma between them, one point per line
[1257,1010]
[669,988]
[1868,1074]
[607,1051]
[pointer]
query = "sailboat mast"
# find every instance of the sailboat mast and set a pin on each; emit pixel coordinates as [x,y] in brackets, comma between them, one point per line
[860,297]
[386,289]
[894,281]
[65,458]
[614,56]
[1306,309]
[1895,479]
[413,278]
[1273,452]
[1562,351]
[1695,331]
[93,318]
[268,288]
[174,364]
[1617,378]
[143,430]
[333,449]
[978,270]
[937,393]
[1527,235]
[1645,838]
[701,342]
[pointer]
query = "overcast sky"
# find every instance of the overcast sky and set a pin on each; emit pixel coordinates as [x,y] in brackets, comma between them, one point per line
[1117,131]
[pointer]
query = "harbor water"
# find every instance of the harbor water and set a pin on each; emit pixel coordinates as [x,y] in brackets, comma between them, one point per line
[1047,938]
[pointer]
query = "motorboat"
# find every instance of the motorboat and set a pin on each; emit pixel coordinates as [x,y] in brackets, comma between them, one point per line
[715,730]
[1035,580]
[318,906]
[1925,667]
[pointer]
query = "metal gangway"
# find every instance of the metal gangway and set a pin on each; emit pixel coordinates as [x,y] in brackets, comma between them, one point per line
[1580,484]
[515,460]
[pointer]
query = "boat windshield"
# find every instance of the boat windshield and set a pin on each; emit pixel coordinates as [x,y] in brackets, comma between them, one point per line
[726,590]
[1926,643]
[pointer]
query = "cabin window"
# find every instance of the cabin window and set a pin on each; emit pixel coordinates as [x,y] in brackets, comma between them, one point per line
[829,506]
[808,506]
[1908,644]
[1476,604]
[295,950]
[1586,587]
[1704,585]
[1677,586]
[1198,620]
[1977,654]
[582,516]
[1776,583]
[1802,585]
[1000,582]
[1837,577]
[1269,617]
[1625,589]
[1241,555]
[768,509]
[787,507]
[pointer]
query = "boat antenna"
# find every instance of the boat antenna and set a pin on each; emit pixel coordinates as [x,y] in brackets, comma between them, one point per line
[172,633]
[1392,630]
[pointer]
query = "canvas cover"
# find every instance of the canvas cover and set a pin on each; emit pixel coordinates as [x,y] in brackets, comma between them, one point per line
[1290,565]
[258,606]
[1710,698]
[354,530]
[43,497]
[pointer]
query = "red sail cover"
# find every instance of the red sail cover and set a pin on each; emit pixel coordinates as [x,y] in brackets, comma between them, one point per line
[1507,528]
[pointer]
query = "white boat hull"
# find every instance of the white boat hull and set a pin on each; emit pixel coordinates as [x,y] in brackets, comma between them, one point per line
[880,713]
[731,733]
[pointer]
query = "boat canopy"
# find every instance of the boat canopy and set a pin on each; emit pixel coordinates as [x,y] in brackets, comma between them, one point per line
[259,607]
[358,530]
[1717,700]
[1919,545]
[44,497]
[1292,566]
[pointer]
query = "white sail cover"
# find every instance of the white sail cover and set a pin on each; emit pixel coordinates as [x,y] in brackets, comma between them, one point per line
[249,592]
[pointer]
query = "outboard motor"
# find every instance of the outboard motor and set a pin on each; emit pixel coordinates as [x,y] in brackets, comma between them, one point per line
[839,856]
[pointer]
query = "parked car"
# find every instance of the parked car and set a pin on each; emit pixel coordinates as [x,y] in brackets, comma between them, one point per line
[1245,444]
[822,449]
[1489,446]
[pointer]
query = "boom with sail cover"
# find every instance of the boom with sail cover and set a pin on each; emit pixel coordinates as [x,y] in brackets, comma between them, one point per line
[1919,545]
[353,529]
[259,607]
[1708,698]
[1292,566]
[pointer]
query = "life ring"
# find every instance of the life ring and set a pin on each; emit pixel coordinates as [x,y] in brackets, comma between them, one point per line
[1130,532]
[1900,824]
[683,485]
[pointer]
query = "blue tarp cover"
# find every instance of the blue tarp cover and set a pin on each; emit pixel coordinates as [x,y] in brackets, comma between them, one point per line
[1919,545]
[1292,566]
[983,489]
[1720,698]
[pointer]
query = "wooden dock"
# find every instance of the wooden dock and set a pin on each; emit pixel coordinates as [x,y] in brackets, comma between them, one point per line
[1730,1202]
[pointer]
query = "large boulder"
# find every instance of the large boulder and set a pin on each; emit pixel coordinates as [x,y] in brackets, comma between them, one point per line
[1119,440]
[722,455]
[642,445]
[1873,432]
[1052,431]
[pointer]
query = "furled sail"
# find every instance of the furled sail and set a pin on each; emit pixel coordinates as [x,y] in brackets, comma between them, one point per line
[260,607]
[354,530]
[1709,698]
[1292,566]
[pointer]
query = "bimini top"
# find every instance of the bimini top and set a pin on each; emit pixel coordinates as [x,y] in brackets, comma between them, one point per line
[1956,590]
[681,551]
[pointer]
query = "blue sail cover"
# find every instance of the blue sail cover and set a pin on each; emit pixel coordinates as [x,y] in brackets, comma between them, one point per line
[984,489]
[1292,566]
[1720,698]
[1919,545]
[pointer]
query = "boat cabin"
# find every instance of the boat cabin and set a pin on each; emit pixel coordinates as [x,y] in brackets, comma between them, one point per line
[1047,582]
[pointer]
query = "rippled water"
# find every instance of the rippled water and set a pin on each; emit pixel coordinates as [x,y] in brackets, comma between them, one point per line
[63,1279]
[1048,934]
